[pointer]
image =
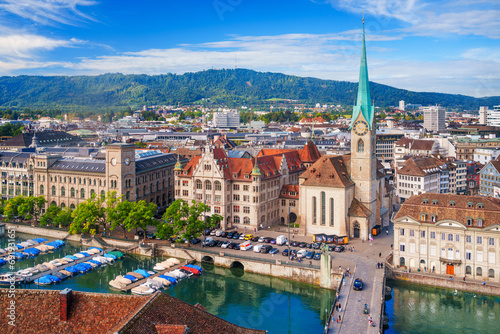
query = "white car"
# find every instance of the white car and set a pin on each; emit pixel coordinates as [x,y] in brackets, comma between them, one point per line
[257,248]
[225,244]
[218,233]
[302,253]
[246,246]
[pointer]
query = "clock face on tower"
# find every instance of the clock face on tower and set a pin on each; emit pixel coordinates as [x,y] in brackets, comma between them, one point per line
[127,161]
[360,128]
[113,161]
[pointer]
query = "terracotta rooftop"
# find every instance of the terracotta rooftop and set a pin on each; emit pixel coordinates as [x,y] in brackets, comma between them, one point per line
[453,207]
[357,209]
[309,152]
[416,144]
[290,191]
[329,171]
[423,166]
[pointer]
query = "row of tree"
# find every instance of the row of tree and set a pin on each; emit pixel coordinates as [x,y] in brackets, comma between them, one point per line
[183,220]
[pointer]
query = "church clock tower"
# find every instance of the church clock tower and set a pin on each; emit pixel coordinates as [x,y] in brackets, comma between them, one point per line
[363,158]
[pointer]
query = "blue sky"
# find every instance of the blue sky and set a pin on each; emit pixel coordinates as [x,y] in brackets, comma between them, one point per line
[441,46]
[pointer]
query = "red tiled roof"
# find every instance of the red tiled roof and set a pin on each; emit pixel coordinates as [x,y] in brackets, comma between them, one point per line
[329,171]
[171,329]
[309,152]
[357,209]
[416,144]
[288,189]
[460,211]
[420,166]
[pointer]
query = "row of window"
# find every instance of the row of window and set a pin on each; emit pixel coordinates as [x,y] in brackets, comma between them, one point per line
[291,202]
[450,237]
[72,193]
[323,209]
[469,221]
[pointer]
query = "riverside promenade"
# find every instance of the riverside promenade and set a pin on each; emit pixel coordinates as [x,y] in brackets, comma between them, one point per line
[363,264]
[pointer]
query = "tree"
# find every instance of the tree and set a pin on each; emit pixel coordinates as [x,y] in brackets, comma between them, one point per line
[88,216]
[49,215]
[118,211]
[29,207]
[141,216]
[187,221]
[12,207]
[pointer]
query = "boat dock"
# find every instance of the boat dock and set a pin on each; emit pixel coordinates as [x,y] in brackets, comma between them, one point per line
[30,279]
[164,272]
[21,250]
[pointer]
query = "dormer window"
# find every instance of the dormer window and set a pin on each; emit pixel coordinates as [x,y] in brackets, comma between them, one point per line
[425,201]
[469,221]
[452,203]
[423,217]
[247,176]
[470,204]
[433,218]
[480,205]
[434,202]
[235,175]
[479,222]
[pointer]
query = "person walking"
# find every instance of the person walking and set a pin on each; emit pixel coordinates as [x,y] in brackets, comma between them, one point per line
[387,231]
[339,319]
[379,254]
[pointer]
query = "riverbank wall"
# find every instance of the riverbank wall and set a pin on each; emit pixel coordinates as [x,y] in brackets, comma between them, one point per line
[443,282]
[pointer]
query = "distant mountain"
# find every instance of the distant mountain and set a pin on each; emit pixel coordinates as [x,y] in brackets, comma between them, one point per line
[238,86]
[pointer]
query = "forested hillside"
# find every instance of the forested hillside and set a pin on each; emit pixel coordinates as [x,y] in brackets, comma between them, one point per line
[232,87]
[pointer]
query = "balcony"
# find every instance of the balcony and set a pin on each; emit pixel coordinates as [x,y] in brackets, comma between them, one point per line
[445,260]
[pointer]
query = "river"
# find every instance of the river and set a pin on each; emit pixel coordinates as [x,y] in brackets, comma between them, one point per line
[245,299]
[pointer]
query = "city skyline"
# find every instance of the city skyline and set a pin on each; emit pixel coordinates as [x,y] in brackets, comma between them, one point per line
[443,46]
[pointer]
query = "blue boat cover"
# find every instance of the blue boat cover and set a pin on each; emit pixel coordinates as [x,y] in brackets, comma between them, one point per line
[142,272]
[72,257]
[43,280]
[169,278]
[19,246]
[130,277]
[111,256]
[85,254]
[95,262]
[2,262]
[72,269]
[194,266]
[19,255]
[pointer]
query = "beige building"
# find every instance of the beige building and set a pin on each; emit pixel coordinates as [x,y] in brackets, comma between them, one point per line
[449,235]
[67,181]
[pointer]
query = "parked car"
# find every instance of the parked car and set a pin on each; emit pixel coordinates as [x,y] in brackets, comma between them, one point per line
[266,248]
[206,232]
[236,236]
[309,246]
[230,235]
[285,252]
[195,241]
[293,252]
[339,249]
[225,244]
[295,244]
[273,241]
[246,246]
[281,240]
[315,245]
[302,244]
[248,237]
[213,232]
[267,240]
[212,244]
[242,236]
[257,248]
[358,284]
[233,245]
[223,234]
[301,253]
[261,239]
[255,239]
[218,233]
[274,251]
[309,255]
[219,243]
[317,256]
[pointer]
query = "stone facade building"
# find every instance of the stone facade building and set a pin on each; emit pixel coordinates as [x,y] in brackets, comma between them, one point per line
[450,235]
[68,181]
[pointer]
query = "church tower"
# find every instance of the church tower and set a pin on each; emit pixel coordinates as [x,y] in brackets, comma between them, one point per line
[363,158]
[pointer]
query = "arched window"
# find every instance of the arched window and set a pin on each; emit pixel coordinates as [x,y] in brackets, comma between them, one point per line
[217,185]
[41,189]
[103,194]
[53,203]
[246,221]
[323,208]
[199,184]
[92,193]
[63,191]
[314,209]
[479,271]
[53,190]
[468,270]
[236,219]
[491,273]
[82,193]
[164,199]
[361,146]
[332,217]
[208,185]
[72,206]
[63,205]
[72,192]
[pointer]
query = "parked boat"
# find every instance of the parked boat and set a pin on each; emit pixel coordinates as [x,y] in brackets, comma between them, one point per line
[144,273]
[71,258]
[24,273]
[47,280]
[177,274]
[191,270]
[160,266]
[168,278]
[2,262]
[9,278]
[163,281]
[72,270]
[93,265]
[117,284]
[135,274]
[56,263]
[194,266]
[110,256]
[118,254]
[130,277]
[60,275]
[65,272]
[79,255]
[143,290]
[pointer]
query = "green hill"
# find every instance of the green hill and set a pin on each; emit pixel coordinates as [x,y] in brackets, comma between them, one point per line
[232,87]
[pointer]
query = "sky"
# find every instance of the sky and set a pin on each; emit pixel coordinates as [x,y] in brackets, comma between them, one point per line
[448,46]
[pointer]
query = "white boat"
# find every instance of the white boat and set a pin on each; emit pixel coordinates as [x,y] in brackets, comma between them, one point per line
[9,278]
[117,284]
[160,266]
[143,290]
[162,281]
[24,273]
[177,274]
[78,255]
[34,271]
[56,263]
[153,284]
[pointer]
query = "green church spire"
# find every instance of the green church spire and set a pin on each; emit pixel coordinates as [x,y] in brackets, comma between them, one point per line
[363,103]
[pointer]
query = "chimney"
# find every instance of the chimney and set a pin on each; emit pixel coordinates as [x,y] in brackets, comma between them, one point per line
[65,303]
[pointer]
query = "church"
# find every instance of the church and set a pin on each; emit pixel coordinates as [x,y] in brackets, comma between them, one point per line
[347,195]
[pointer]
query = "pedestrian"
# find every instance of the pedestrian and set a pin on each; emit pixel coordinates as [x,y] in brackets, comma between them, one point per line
[484,282]
[433,269]
[340,309]
[337,306]
[464,278]
[353,249]
[379,254]
[381,265]
[340,267]
[387,231]
[339,319]
[363,239]
[293,236]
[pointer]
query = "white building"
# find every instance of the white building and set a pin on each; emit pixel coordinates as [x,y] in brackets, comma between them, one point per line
[493,116]
[226,119]
[483,115]
[434,118]
[486,154]
[402,105]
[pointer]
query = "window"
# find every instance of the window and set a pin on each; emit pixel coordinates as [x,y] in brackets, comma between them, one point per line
[423,216]
[208,197]
[452,203]
[199,197]
[491,273]
[217,186]
[208,185]
[443,236]
[450,237]
[479,240]
[468,239]
[185,193]
[236,197]
[314,209]
[469,221]
[72,192]
[457,237]
[217,198]
[246,221]
[236,187]
[53,190]
[491,241]
[236,219]
[468,270]
[41,189]
[434,202]
[331,211]
[412,233]
[63,191]
[491,257]
[246,198]
[82,193]
[199,184]
[479,222]
[246,187]
[402,231]
[323,208]
[433,218]
[401,247]
[216,209]
[422,234]
[246,209]
[361,146]
[283,202]
[479,271]
[480,205]
[470,205]
[468,255]
[236,208]
[433,235]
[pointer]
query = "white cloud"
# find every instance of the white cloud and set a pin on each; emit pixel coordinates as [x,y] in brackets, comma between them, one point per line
[23,46]
[48,12]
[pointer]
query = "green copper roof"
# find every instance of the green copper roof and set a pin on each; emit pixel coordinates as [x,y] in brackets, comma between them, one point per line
[363,103]
[178,165]
[256,169]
